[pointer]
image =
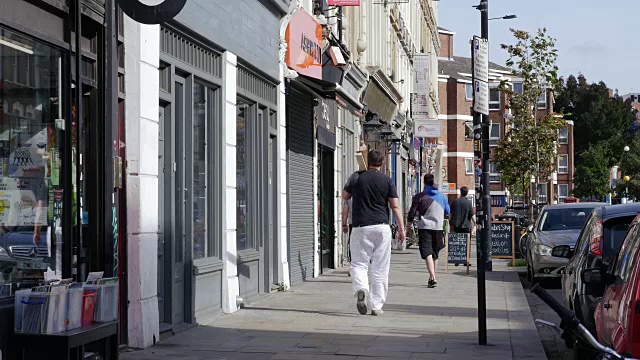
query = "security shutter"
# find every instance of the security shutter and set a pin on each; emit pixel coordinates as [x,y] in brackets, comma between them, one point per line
[300,181]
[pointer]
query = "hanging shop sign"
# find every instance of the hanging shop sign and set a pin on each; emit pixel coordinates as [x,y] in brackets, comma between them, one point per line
[427,128]
[152,14]
[304,45]
[344,2]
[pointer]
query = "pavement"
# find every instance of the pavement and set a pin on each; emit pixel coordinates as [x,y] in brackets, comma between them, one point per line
[318,320]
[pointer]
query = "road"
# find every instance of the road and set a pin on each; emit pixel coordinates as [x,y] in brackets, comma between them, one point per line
[554,346]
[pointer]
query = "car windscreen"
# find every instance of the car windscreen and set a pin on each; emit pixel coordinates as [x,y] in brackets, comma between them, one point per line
[564,219]
[614,232]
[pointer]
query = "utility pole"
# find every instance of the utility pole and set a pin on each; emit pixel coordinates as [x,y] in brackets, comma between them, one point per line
[481,126]
[486,124]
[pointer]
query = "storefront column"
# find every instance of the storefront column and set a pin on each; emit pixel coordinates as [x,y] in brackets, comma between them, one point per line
[230,283]
[284,277]
[142,87]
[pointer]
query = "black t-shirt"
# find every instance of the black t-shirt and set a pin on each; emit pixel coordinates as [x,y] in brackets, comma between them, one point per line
[370,192]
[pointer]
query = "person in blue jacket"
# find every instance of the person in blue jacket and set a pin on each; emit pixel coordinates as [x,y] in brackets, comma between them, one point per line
[430,207]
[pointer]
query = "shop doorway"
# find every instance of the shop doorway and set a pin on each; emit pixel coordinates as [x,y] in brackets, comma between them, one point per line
[173,197]
[326,204]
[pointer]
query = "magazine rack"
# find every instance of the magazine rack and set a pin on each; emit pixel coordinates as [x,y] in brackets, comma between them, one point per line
[70,344]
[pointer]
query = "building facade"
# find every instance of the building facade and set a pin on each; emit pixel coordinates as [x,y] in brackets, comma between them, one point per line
[456,103]
[60,116]
[204,124]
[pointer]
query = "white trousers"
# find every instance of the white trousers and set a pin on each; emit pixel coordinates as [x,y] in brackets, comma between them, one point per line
[371,245]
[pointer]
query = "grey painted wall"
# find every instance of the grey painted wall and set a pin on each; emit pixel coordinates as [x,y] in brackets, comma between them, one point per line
[247,28]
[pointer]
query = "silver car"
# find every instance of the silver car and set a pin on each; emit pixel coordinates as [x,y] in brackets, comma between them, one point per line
[556,225]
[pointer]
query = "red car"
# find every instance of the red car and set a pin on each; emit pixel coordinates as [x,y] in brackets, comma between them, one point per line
[617,316]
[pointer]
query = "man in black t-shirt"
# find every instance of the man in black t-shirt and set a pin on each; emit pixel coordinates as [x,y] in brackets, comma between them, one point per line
[372,194]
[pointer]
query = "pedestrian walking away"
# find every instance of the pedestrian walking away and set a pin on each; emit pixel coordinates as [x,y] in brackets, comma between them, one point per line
[462,215]
[430,208]
[373,195]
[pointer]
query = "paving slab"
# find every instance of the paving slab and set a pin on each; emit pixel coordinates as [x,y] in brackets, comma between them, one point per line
[318,320]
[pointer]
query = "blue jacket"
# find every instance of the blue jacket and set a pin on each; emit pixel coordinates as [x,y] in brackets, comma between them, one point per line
[433,219]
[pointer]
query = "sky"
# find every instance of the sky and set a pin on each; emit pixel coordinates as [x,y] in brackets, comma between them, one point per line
[599,39]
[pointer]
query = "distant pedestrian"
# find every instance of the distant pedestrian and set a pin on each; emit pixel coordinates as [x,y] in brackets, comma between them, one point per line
[462,213]
[430,207]
[372,194]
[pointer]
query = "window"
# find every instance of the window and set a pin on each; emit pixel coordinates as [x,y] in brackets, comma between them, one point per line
[494,175]
[199,198]
[542,193]
[563,191]
[494,98]
[518,88]
[243,242]
[468,130]
[494,135]
[468,166]
[624,264]
[614,233]
[542,101]
[31,153]
[563,136]
[563,164]
[559,219]
[468,91]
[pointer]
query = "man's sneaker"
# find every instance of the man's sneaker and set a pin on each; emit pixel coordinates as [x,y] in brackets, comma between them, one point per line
[361,305]
[432,284]
[377,312]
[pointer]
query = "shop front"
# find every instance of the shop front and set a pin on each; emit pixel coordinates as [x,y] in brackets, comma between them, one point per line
[58,214]
[312,114]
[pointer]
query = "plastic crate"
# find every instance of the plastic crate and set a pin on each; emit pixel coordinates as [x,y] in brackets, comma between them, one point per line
[88,307]
[54,312]
[73,314]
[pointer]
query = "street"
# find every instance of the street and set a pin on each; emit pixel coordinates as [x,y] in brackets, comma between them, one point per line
[554,346]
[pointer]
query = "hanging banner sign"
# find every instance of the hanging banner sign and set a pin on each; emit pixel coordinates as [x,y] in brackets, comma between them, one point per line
[421,71]
[428,128]
[152,14]
[419,107]
[344,3]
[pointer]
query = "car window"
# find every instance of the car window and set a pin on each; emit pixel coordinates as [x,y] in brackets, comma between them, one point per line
[564,219]
[614,232]
[585,235]
[624,264]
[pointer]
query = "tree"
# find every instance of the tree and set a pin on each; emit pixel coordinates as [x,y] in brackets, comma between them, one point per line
[529,147]
[598,116]
[592,178]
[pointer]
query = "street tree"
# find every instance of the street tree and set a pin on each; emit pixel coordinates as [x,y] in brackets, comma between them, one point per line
[528,151]
[592,178]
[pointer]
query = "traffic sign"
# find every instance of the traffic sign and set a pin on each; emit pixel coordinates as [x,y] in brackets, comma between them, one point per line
[481,59]
[481,97]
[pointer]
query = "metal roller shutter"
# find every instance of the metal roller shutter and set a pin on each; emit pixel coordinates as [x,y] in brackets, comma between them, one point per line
[300,182]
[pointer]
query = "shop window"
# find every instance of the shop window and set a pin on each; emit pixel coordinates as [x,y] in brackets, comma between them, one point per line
[243,240]
[31,182]
[200,195]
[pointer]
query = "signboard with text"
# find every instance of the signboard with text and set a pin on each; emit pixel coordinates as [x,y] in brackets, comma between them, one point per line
[481,97]
[427,128]
[344,3]
[481,59]
[421,73]
[419,106]
[304,45]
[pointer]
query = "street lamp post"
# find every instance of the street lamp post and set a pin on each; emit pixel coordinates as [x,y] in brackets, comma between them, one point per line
[626,179]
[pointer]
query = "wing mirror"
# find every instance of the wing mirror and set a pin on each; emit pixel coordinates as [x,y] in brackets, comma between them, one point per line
[562,251]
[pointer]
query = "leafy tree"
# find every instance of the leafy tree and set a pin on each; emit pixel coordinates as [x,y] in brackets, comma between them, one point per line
[592,178]
[529,147]
[598,116]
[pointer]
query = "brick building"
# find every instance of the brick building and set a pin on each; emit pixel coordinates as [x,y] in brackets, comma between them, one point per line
[456,95]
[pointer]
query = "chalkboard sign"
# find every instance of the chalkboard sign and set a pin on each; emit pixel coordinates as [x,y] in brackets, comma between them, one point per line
[458,249]
[502,240]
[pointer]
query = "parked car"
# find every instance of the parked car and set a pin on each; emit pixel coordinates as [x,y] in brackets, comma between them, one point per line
[556,225]
[597,247]
[617,317]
